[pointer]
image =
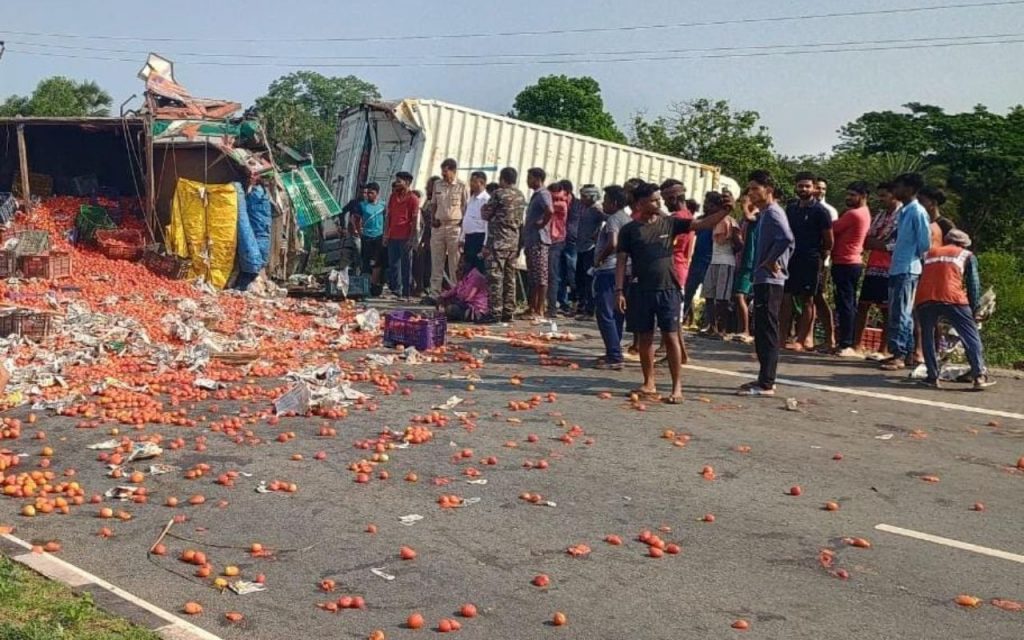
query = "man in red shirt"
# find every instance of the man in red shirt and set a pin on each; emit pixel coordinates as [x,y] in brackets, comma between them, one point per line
[400,233]
[849,232]
[941,294]
[558,229]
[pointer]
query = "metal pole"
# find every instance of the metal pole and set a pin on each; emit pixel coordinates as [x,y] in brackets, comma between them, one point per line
[26,192]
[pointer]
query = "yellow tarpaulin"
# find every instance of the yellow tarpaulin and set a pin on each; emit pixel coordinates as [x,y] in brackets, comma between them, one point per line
[204,228]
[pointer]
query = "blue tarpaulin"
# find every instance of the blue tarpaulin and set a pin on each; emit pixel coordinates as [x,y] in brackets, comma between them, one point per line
[260,214]
[248,254]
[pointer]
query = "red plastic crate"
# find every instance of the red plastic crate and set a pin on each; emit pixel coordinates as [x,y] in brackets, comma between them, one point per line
[120,244]
[49,266]
[413,330]
[872,339]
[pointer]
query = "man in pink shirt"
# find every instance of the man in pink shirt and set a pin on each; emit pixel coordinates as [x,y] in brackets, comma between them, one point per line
[849,231]
[557,228]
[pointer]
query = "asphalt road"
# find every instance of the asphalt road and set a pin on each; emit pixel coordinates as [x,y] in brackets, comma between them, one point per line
[759,560]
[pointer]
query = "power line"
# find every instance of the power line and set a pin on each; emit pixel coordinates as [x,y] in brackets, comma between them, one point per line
[561,54]
[546,32]
[658,58]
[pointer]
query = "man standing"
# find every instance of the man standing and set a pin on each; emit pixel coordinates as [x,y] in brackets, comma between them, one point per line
[648,242]
[874,291]
[941,294]
[536,241]
[503,214]
[474,227]
[811,226]
[609,318]
[774,247]
[913,239]
[558,229]
[570,252]
[447,207]
[368,224]
[823,311]
[674,194]
[586,236]
[403,217]
[850,231]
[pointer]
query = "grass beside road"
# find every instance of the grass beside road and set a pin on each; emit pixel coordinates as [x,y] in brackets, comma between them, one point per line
[34,608]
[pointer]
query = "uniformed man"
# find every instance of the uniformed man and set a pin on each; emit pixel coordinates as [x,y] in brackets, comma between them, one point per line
[504,216]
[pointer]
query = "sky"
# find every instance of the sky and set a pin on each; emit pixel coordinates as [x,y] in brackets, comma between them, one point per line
[803,99]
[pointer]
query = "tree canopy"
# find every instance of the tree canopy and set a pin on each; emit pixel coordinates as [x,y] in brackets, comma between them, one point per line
[977,155]
[711,132]
[59,97]
[571,104]
[301,109]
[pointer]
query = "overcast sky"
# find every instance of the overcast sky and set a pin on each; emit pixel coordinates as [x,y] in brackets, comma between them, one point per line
[803,98]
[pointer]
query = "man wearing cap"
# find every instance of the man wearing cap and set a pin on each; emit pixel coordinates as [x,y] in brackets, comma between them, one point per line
[941,294]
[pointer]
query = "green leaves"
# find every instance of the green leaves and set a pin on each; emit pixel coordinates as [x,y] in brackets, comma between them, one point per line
[301,109]
[978,155]
[60,97]
[710,132]
[571,104]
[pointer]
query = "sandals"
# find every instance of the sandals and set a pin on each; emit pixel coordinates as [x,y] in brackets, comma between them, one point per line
[674,399]
[650,396]
[895,364]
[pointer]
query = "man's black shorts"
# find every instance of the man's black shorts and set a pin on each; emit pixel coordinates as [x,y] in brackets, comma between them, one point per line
[875,289]
[648,309]
[804,276]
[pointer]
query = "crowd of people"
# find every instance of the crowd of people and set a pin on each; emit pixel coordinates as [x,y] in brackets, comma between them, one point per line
[633,258]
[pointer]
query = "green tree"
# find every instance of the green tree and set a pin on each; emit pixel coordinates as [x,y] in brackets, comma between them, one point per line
[711,132]
[571,104]
[977,155]
[60,97]
[301,109]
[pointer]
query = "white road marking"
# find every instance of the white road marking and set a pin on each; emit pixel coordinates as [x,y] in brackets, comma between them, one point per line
[177,627]
[949,542]
[817,387]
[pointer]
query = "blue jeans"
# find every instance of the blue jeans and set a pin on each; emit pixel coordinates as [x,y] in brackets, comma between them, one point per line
[902,289]
[609,320]
[962,319]
[554,275]
[400,268]
[568,274]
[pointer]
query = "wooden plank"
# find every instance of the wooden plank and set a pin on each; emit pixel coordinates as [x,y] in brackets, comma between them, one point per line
[26,192]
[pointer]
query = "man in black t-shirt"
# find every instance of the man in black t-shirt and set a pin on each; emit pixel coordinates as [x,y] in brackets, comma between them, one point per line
[649,244]
[811,224]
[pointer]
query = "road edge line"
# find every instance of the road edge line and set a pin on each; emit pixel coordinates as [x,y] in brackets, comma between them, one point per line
[54,568]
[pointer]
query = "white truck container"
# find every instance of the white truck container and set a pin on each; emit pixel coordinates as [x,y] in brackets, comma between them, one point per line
[377,140]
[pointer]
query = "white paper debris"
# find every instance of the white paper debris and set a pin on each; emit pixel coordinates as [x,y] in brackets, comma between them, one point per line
[410,519]
[451,403]
[380,573]
[244,587]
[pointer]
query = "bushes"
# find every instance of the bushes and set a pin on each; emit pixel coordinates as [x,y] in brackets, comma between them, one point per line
[1003,334]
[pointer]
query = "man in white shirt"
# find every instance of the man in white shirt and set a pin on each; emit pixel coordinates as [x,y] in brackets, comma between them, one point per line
[474,229]
[823,310]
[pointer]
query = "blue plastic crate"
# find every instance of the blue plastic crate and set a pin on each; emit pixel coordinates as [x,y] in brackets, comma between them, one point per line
[410,329]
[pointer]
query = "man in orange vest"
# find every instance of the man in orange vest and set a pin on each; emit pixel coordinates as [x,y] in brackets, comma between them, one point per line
[941,294]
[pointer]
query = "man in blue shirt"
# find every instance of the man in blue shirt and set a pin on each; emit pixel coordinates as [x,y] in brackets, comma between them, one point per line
[912,240]
[775,244]
[368,223]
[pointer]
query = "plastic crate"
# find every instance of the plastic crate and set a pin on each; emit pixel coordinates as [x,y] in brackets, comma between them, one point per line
[34,325]
[413,330]
[33,243]
[358,288]
[49,266]
[8,206]
[169,266]
[872,339]
[8,264]
[120,244]
[90,219]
